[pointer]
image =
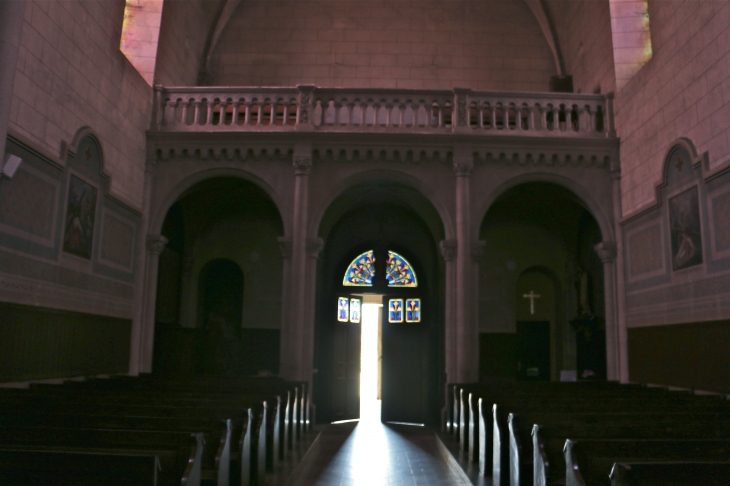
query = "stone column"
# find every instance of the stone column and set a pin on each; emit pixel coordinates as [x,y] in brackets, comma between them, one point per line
[286,249]
[620,277]
[314,247]
[448,252]
[477,252]
[466,335]
[11,25]
[155,245]
[293,333]
[187,299]
[607,253]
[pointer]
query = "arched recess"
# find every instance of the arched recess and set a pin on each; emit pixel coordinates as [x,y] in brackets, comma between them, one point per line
[382,215]
[186,185]
[416,194]
[540,227]
[600,210]
[220,219]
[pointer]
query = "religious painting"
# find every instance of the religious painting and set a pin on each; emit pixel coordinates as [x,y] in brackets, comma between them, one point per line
[80,213]
[684,219]
[395,311]
[355,311]
[413,310]
[343,309]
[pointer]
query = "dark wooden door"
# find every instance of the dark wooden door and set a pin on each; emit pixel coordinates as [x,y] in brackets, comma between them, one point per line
[346,384]
[533,350]
[404,374]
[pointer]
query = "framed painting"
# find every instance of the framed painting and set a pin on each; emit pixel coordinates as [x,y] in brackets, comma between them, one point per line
[686,229]
[80,213]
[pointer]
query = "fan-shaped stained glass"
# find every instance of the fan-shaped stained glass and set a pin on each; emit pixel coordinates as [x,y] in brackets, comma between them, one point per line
[399,272]
[361,270]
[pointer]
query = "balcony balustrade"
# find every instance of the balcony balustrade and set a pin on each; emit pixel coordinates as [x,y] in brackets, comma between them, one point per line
[308,108]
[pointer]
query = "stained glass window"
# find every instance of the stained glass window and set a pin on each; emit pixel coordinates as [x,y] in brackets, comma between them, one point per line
[395,310]
[343,309]
[355,311]
[413,310]
[361,270]
[399,272]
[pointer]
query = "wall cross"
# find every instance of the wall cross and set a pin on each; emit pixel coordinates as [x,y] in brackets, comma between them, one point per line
[532,296]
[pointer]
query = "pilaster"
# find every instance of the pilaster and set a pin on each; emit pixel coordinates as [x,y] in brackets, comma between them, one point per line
[448,253]
[606,251]
[155,245]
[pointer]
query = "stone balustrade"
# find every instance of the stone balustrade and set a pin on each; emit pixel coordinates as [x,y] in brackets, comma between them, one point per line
[308,108]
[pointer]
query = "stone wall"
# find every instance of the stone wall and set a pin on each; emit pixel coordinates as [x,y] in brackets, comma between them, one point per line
[183,35]
[72,74]
[584,34]
[683,91]
[487,45]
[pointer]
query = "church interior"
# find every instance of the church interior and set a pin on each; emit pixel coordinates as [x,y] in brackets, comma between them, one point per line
[505,198]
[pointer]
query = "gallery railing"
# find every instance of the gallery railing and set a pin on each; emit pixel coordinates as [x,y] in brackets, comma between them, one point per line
[308,108]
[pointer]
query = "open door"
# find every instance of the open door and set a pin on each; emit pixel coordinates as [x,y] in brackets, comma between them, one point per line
[404,372]
[346,360]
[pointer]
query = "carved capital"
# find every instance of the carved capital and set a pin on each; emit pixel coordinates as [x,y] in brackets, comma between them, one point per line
[155,244]
[463,166]
[314,246]
[285,245]
[302,164]
[606,251]
[448,249]
[477,250]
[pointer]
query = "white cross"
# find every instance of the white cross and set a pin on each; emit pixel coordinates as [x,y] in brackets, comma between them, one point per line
[532,296]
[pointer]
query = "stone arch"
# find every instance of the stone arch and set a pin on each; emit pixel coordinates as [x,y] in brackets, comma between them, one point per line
[372,176]
[157,214]
[602,215]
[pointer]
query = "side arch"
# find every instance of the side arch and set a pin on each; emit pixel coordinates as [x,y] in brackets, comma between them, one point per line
[319,212]
[601,214]
[158,213]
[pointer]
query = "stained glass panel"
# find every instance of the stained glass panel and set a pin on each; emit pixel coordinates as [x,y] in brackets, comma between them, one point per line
[355,311]
[413,310]
[395,310]
[399,272]
[343,309]
[361,270]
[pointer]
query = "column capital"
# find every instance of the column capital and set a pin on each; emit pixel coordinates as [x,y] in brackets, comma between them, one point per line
[607,251]
[155,244]
[477,250]
[448,249]
[314,246]
[302,164]
[463,166]
[285,245]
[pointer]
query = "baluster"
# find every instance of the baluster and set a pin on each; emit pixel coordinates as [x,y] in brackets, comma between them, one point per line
[543,117]
[388,113]
[505,116]
[260,117]
[209,114]
[169,113]
[440,108]
[493,115]
[247,113]
[184,113]
[350,112]
[363,110]
[531,117]
[336,106]
[285,120]
[480,107]
[402,115]
[556,118]
[236,110]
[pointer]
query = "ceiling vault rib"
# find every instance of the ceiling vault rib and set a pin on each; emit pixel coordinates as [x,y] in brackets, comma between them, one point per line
[543,19]
[225,12]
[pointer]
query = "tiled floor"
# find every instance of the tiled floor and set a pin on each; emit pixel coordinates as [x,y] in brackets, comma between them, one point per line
[375,454]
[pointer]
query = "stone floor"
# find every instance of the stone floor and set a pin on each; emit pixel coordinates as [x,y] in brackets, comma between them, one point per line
[373,454]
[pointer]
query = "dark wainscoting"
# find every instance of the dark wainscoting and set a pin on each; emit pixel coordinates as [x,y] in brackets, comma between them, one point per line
[497,355]
[686,355]
[38,343]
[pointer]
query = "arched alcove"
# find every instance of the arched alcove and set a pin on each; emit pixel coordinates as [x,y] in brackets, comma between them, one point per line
[540,231]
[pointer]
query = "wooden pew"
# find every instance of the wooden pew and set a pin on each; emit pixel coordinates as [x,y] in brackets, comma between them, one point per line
[678,473]
[588,462]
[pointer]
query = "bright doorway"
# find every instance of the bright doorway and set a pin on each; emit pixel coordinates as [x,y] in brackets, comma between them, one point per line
[371,358]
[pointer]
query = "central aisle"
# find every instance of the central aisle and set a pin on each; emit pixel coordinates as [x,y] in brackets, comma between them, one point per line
[373,454]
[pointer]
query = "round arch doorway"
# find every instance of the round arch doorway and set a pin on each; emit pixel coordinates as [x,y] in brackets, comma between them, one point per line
[412,353]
